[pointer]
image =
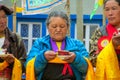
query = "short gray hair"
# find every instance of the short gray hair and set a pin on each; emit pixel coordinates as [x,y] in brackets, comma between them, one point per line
[58,14]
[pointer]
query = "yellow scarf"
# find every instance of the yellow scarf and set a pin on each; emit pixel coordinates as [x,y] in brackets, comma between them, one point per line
[30,74]
[107,67]
[3,65]
[17,69]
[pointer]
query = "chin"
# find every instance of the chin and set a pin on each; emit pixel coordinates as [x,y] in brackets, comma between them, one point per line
[58,39]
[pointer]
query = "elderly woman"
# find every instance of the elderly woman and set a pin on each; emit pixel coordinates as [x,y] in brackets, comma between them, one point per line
[56,56]
[12,49]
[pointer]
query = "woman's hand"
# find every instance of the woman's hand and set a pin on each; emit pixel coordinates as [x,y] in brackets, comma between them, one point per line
[49,55]
[70,57]
[8,57]
[116,41]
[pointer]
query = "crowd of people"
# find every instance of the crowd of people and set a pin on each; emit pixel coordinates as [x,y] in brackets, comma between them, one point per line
[56,56]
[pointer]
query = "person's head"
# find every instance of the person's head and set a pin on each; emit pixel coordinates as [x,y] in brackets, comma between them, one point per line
[4,11]
[112,11]
[58,25]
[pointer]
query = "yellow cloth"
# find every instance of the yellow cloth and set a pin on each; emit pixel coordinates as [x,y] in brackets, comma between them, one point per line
[59,45]
[17,70]
[90,72]
[19,9]
[107,67]
[30,75]
[100,2]
[3,65]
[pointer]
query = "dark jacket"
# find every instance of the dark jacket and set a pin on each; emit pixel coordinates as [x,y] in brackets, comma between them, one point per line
[14,45]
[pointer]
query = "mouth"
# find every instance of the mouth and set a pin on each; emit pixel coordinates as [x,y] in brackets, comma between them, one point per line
[111,18]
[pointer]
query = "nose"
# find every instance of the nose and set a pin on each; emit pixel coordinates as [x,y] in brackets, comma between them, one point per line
[58,29]
[110,13]
[2,20]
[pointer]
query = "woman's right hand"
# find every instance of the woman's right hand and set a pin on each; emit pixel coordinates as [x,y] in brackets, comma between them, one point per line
[116,40]
[49,55]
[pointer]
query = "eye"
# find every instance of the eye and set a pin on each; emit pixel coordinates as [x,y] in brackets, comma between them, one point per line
[114,8]
[4,16]
[106,9]
[53,26]
[62,26]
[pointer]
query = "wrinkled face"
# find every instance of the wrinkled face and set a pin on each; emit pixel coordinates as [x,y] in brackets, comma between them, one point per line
[112,12]
[3,20]
[57,28]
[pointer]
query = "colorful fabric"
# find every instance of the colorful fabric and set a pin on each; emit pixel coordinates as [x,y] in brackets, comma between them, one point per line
[107,67]
[5,73]
[39,6]
[100,32]
[94,47]
[56,46]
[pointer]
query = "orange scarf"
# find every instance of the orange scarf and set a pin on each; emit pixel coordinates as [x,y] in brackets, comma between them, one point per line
[90,72]
[17,69]
[30,74]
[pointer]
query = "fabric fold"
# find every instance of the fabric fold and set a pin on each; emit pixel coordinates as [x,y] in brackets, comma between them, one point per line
[17,70]
[30,74]
[90,72]
[107,67]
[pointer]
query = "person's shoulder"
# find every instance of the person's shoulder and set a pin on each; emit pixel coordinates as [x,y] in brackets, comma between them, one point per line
[43,39]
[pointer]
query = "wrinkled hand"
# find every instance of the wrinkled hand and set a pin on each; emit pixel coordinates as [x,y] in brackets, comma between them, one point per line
[70,57]
[8,57]
[49,55]
[116,41]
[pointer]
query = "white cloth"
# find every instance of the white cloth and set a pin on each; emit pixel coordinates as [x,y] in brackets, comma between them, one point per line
[2,41]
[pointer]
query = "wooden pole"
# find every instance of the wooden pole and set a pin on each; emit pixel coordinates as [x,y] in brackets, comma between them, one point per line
[67,6]
[79,27]
[104,18]
[14,17]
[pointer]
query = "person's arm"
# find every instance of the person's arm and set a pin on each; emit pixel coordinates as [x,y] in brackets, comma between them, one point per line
[37,52]
[79,62]
[21,51]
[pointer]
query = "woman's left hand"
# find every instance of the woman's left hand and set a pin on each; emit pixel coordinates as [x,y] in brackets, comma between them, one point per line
[70,57]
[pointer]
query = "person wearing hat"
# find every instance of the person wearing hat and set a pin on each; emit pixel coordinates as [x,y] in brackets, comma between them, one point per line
[12,49]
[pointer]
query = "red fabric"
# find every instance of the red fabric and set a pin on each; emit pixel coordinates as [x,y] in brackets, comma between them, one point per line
[101,40]
[6,73]
[67,66]
[110,30]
